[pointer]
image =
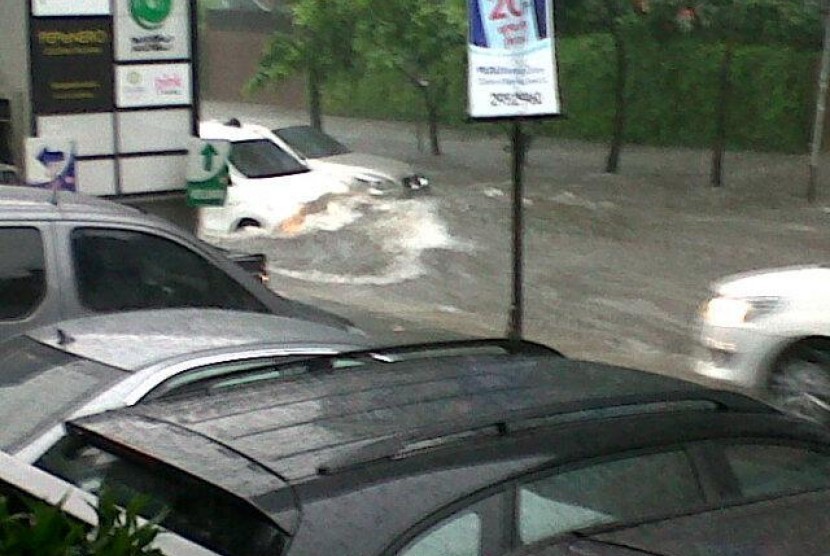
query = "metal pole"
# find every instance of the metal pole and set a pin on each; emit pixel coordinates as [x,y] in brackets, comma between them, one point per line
[818,124]
[517,139]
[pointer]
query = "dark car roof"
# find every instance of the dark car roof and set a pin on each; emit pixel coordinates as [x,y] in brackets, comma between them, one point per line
[318,423]
[136,339]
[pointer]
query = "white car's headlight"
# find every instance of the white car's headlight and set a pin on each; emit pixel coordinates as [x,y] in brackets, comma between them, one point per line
[734,311]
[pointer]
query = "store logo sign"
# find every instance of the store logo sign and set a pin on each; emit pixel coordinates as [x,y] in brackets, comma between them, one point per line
[150,14]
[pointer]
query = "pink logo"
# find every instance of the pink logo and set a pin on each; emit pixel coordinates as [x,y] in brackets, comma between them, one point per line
[169,84]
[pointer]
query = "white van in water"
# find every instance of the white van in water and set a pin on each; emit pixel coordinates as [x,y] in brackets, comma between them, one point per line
[269,184]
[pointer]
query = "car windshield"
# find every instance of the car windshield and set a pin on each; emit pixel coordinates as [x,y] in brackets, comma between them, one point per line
[310,142]
[261,158]
[40,386]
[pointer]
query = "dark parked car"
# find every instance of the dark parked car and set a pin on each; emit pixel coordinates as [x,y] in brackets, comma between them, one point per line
[472,454]
[83,255]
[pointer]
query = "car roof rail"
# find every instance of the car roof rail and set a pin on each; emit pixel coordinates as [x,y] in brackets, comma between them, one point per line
[444,348]
[399,446]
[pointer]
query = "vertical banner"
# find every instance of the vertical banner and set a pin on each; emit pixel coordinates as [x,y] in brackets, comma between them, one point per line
[512,59]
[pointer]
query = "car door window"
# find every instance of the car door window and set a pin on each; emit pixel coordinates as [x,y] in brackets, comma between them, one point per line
[458,536]
[22,272]
[769,470]
[608,492]
[120,270]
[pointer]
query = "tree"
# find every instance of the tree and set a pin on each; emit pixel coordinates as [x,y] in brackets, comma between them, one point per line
[621,18]
[318,44]
[423,41]
[731,23]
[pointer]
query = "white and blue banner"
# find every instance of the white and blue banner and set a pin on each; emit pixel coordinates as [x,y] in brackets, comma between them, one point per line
[512,59]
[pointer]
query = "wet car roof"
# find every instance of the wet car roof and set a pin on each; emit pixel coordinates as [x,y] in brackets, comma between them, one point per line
[136,339]
[31,200]
[317,423]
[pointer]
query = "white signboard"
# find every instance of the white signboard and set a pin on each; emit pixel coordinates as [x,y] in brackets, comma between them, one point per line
[512,59]
[146,85]
[152,30]
[48,8]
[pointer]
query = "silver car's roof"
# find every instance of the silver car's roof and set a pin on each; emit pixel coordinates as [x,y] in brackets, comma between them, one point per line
[31,203]
[136,339]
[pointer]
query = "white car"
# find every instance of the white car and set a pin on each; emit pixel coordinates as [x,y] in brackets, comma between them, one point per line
[768,333]
[269,185]
[324,152]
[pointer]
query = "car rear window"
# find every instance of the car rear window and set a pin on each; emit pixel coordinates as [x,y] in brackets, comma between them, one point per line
[192,507]
[310,142]
[40,386]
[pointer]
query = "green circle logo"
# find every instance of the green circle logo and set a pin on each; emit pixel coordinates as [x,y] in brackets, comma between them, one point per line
[150,14]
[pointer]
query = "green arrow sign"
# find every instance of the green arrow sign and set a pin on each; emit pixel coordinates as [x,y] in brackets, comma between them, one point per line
[208,153]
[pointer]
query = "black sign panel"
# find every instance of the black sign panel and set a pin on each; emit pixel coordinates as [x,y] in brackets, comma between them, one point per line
[72,67]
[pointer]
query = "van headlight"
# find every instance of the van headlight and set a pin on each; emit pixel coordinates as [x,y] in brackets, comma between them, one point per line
[735,311]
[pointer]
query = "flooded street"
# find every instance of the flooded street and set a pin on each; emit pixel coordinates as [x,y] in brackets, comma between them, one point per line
[616,265]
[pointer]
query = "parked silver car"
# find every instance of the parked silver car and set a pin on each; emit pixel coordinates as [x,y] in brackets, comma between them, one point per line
[76,255]
[92,364]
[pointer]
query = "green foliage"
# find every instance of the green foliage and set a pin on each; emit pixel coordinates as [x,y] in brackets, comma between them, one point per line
[672,94]
[320,40]
[39,529]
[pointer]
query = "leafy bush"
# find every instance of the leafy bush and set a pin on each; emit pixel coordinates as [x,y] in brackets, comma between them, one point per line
[34,528]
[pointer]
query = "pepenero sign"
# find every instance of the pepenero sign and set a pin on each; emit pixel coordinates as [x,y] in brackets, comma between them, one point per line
[512,59]
[71,61]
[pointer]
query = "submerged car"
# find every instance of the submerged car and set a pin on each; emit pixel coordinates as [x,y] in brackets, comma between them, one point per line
[92,364]
[768,333]
[269,184]
[462,454]
[320,150]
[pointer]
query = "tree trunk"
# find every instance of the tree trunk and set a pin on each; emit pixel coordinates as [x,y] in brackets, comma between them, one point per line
[431,104]
[722,115]
[620,104]
[821,102]
[315,99]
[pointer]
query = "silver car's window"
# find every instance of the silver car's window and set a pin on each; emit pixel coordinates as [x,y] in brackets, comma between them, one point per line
[261,158]
[118,270]
[40,386]
[22,272]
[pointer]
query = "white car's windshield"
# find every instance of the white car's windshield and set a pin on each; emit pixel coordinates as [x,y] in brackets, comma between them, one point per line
[261,158]
[311,143]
